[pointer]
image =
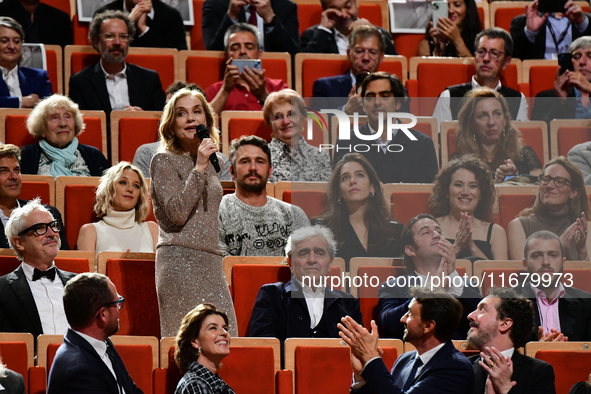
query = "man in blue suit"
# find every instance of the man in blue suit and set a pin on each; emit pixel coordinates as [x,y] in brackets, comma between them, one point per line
[87,360]
[20,87]
[436,367]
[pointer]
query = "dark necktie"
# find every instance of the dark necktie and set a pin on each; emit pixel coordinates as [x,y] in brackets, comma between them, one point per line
[49,274]
[252,19]
[411,376]
[116,367]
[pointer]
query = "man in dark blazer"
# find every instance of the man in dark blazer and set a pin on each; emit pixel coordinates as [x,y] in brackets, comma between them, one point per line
[276,19]
[530,31]
[544,253]
[11,183]
[339,18]
[423,257]
[12,382]
[281,309]
[436,367]
[158,25]
[502,323]
[87,360]
[29,85]
[110,33]
[401,159]
[31,295]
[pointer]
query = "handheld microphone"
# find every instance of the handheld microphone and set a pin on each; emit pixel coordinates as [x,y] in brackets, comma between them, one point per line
[202,132]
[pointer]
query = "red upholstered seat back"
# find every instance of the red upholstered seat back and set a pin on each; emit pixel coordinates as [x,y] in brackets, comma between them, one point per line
[571,136]
[31,190]
[134,132]
[138,361]
[511,204]
[311,201]
[14,355]
[238,371]
[406,205]
[570,367]
[77,265]
[238,127]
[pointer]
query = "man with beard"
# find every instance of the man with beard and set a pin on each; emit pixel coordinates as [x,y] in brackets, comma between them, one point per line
[400,155]
[436,367]
[430,261]
[246,90]
[563,312]
[112,84]
[31,295]
[87,360]
[502,323]
[250,222]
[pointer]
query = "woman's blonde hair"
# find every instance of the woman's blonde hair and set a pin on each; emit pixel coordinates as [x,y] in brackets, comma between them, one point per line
[167,128]
[284,96]
[105,191]
[37,120]
[467,140]
[575,206]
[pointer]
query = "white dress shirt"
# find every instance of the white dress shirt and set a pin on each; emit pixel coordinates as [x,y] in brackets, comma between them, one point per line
[12,82]
[117,88]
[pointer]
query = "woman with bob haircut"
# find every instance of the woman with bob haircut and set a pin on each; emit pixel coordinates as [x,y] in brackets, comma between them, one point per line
[462,201]
[55,122]
[202,343]
[561,207]
[122,206]
[357,212]
[485,129]
[186,194]
[292,158]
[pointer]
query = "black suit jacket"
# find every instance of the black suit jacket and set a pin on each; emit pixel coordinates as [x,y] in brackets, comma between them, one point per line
[166,29]
[282,35]
[574,311]
[548,107]
[89,89]
[448,372]
[56,215]
[13,383]
[78,368]
[523,49]
[532,375]
[49,25]
[394,301]
[18,311]
[280,311]
[417,163]
[315,40]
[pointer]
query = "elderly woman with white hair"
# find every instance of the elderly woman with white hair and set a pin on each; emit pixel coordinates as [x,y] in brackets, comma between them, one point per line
[122,206]
[55,122]
[12,382]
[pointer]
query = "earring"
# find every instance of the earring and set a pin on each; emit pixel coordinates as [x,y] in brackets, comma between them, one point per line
[372,194]
[198,352]
[339,200]
[474,136]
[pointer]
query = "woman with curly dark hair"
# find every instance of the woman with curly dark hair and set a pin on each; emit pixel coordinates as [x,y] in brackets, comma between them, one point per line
[485,129]
[454,36]
[462,201]
[357,212]
[201,344]
[561,207]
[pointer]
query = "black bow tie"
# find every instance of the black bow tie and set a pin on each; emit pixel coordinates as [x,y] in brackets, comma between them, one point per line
[49,274]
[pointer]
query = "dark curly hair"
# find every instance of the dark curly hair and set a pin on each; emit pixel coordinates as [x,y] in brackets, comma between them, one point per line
[377,214]
[189,331]
[407,237]
[439,199]
[517,308]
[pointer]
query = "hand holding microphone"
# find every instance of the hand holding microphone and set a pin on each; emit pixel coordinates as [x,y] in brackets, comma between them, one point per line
[202,132]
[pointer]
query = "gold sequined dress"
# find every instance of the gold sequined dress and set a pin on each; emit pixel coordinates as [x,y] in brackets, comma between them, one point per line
[188,256]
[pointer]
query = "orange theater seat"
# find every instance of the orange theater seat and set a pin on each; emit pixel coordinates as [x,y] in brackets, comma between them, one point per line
[18,353]
[312,202]
[80,32]
[570,367]
[77,265]
[79,200]
[368,295]
[196,34]
[571,136]
[510,205]
[406,205]
[135,280]
[31,190]
[54,56]
[407,44]
[125,138]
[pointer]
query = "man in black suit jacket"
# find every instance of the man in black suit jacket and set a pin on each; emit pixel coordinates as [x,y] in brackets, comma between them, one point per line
[11,381]
[530,31]
[31,296]
[281,309]
[276,19]
[565,101]
[544,253]
[158,24]
[502,323]
[423,257]
[87,360]
[436,367]
[111,83]
[11,184]
[401,159]
[339,18]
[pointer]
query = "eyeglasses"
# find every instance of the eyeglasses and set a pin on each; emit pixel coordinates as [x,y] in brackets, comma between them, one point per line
[123,37]
[372,53]
[558,181]
[41,228]
[493,53]
[120,302]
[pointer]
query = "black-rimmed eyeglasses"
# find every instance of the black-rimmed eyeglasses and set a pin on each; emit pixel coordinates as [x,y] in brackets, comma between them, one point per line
[41,228]
[558,180]
[493,53]
[120,302]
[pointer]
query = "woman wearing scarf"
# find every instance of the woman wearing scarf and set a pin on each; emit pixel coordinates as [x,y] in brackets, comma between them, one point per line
[55,122]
